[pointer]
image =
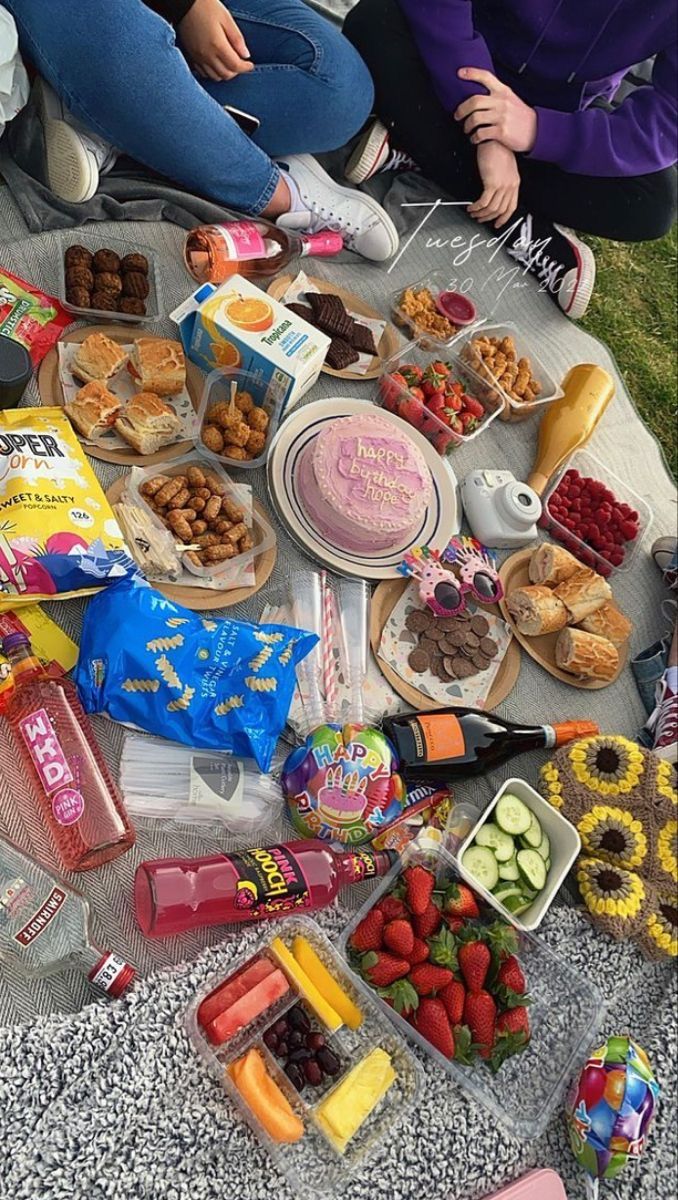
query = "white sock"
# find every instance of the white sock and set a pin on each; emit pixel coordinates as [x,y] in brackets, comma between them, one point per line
[671,677]
[296,202]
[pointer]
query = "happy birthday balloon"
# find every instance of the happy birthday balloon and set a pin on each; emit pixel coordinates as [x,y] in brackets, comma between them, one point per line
[342,784]
[609,1110]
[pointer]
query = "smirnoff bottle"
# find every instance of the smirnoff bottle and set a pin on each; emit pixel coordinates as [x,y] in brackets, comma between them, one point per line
[44,925]
[250,247]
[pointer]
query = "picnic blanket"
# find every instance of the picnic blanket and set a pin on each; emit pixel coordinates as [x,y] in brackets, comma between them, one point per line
[109,1101]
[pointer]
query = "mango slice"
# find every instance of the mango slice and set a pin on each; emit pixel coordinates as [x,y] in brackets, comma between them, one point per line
[322,1009]
[326,984]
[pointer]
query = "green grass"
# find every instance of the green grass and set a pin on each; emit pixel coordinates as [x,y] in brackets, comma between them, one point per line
[633,310]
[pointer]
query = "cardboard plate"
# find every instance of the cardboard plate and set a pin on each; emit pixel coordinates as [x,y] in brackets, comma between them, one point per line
[514,574]
[200,599]
[384,600]
[51,394]
[389,342]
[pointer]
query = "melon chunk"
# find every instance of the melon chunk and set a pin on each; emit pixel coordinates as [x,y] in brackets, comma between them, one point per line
[247,1007]
[266,1100]
[235,987]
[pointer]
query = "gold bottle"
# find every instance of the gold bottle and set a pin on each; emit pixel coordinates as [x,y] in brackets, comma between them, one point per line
[568,422]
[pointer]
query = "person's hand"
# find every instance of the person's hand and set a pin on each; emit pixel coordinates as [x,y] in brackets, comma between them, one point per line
[500,116]
[501,183]
[212,42]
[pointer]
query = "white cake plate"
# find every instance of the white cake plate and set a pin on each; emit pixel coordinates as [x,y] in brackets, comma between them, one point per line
[441,520]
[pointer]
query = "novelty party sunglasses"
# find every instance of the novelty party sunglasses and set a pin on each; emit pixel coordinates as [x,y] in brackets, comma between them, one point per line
[443,592]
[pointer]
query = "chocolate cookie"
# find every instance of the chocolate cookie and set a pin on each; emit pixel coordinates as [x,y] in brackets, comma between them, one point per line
[480,661]
[449,666]
[480,626]
[489,647]
[428,645]
[463,668]
[106,260]
[135,262]
[134,283]
[130,304]
[104,301]
[472,639]
[436,632]
[80,276]
[109,281]
[417,621]
[418,661]
[456,637]
[448,623]
[77,256]
[78,297]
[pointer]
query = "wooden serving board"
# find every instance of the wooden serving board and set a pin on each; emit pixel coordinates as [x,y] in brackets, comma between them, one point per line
[200,599]
[389,342]
[51,395]
[514,574]
[384,600]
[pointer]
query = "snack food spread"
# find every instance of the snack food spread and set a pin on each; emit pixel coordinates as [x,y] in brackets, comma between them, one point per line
[364,483]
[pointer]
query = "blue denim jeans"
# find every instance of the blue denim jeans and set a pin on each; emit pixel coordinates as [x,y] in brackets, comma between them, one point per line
[118,69]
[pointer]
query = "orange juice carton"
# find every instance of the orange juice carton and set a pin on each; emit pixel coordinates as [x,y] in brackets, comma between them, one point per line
[235,324]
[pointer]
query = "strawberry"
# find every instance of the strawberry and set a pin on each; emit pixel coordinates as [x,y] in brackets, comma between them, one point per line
[412,372]
[419,884]
[454,924]
[443,441]
[403,998]
[513,1035]
[382,969]
[474,962]
[453,403]
[460,902]
[432,1022]
[417,393]
[436,404]
[392,908]
[428,922]
[439,367]
[411,410]
[399,937]
[502,939]
[368,934]
[464,1049]
[453,996]
[432,387]
[426,977]
[510,979]
[391,387]
[444,950]
[480,1014]
[473,406]
[419,952]
[468,421]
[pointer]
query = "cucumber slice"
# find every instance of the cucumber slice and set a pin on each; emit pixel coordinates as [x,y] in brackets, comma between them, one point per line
[548,865]
[482,865]
[517,905]
[512,815]
[507,891]
[544,848]
[500,843]
[533,835]
[532,869]
[509,870]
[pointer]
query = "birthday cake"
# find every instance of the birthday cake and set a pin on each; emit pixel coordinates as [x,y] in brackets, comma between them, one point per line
[363,484]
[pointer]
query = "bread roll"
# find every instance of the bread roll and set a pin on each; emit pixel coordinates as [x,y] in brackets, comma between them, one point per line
[147,423]
[552,564]
[98,357]
[536,610]
[93,409]
[608,622]
[585,654]
[159,365]
[583,593]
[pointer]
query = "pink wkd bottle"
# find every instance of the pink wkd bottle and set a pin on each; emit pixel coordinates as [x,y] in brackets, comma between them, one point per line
[175,894]
[79,802]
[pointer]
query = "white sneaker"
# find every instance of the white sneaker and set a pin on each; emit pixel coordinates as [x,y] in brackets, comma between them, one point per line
[75,157]
[373,154]
[320,203]
[564,266]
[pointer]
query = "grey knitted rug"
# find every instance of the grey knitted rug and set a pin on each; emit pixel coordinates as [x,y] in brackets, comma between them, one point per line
[108,1102]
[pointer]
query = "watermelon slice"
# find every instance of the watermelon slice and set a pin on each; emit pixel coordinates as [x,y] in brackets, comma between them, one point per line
[235,987]
[247,1007]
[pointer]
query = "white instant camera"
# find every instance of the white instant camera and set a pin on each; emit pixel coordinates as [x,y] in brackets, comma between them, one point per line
[501,511]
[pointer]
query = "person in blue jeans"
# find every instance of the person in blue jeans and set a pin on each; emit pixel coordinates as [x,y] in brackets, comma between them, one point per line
[153,79]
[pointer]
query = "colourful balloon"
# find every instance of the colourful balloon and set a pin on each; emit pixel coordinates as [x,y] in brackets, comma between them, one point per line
[615,1089]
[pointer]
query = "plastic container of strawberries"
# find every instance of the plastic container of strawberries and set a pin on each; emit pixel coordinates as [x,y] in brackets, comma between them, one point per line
[636,512]
[564,1016]
[397,398]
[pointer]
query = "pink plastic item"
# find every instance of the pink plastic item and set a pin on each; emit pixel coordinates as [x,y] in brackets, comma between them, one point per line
[537,1185]
[457,308]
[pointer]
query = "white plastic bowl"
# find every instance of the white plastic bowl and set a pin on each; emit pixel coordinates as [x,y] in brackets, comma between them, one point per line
[565,848]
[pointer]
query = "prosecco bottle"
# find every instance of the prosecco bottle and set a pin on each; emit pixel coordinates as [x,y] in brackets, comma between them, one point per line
[453,743]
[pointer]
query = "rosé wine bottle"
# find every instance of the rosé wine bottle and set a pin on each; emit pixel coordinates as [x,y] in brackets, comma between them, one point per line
[251,247]
[175,894]
[79,802]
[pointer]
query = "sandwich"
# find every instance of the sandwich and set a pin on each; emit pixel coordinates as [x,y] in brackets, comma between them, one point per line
[608,622]
[98,357]
[552,564]
[536,610]
[158,365]
[582,594]
[147,423]
[586,655]
[93,410]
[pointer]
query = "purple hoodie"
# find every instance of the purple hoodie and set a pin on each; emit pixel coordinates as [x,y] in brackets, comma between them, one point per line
[559,56]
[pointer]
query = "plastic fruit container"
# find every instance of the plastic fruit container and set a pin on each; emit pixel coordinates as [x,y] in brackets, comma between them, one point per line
[437,283]
[93,241]
[267,396]
[262,532]
[564,1016]
[394,395]
[565,845]
[512,410]
[313,1165]
[593,549]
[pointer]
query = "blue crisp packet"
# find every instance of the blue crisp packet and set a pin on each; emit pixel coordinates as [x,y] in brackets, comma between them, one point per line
[212,683]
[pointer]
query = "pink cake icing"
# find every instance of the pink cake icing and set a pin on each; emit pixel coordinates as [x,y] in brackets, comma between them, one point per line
[364,484]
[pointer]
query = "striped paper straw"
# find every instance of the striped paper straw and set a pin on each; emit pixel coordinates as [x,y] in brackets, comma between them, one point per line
[329,676]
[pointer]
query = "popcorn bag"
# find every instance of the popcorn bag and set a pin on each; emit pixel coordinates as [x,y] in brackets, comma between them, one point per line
[58,535]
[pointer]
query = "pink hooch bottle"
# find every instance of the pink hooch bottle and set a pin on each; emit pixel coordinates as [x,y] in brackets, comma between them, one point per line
[79,802]
[175,894]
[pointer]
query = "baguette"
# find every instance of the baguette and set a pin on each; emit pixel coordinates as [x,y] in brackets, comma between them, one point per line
[586,655]
[552,564]
[536,610]
[147,423]
[582,594]
[608,622]
[98,357]
[158,365]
